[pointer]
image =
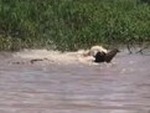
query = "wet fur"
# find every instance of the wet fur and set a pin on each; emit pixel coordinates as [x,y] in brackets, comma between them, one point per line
[105,57]
[100,57]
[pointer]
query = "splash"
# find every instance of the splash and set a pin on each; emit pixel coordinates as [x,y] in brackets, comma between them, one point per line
[56,57]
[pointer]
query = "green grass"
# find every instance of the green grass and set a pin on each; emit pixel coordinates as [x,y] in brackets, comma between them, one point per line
[72,24]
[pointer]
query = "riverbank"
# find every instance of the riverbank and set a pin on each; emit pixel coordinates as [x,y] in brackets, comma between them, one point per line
[71,25]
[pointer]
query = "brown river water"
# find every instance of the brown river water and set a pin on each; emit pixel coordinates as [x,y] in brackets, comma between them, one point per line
[70,83]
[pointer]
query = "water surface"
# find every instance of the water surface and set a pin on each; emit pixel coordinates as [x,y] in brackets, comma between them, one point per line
[69,83]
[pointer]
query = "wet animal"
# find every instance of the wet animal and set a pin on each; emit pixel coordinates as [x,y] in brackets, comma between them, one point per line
[105,57]
[94,50]
[100,57]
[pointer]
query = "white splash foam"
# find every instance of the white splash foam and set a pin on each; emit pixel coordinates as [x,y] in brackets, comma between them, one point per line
[80,56]
[56,56]
[94,50]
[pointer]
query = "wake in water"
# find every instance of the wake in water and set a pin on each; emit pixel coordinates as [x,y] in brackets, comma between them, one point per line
[57,57]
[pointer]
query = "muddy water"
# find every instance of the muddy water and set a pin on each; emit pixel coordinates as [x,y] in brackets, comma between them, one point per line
[69,83]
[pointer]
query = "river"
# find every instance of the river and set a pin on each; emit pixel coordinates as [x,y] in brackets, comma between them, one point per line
[69,83]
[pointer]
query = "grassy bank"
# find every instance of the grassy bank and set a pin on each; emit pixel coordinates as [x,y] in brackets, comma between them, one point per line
[72,24]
